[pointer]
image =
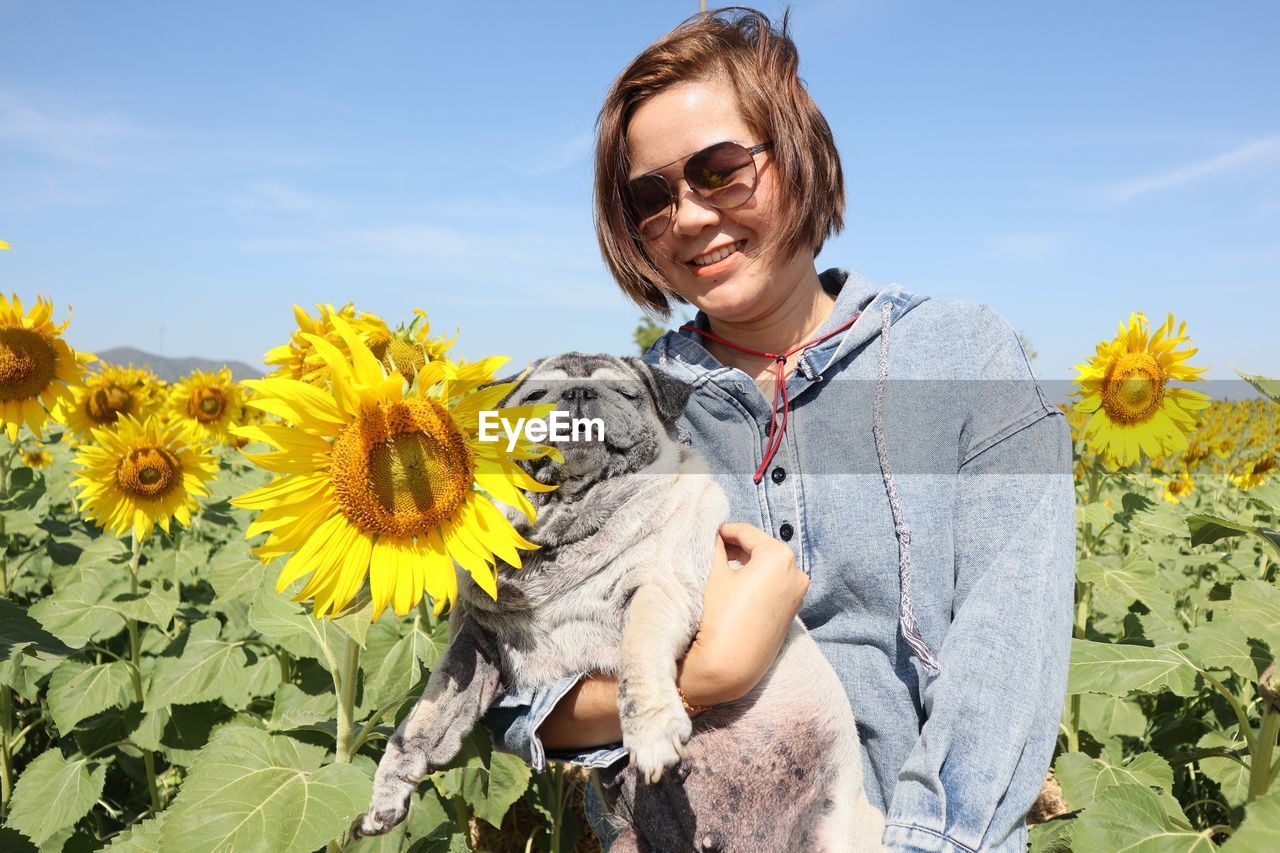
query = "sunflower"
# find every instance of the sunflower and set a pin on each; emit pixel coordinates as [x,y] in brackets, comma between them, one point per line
[4,245]
[1177,488]
[407,350]
[37,367]
[1252,472]
[109,394]
[141,473]
[1125,391]
[210,401]
[385,478]
[298,359]
[37,458]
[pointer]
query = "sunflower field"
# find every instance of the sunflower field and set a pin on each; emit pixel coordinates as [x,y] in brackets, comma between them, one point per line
[218,598]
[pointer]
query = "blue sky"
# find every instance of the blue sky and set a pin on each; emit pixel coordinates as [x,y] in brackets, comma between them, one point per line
[181,173]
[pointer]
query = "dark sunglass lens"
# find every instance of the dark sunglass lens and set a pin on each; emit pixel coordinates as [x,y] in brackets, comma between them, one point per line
[724,174]
[649,195]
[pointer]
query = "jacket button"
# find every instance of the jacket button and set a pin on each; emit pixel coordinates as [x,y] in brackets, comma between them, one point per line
[785,532]
[779,475]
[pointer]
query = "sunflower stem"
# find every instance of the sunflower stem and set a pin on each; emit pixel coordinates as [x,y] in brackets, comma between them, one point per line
[6,694]
[346,681]
[135,672]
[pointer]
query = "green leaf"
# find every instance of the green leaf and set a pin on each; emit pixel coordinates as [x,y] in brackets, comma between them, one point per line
[209,668]
[1207,528]
[294,708]
[488,781]
[155,606]
[286,623]
[1132,818]
[392,664]
[1161,520]
[142,837]
[54,793]
[1220,645]
[1119,586]
[1119,670]
[1053,836]
[1266,386]
[1260,830]
[78,614]
[77,691]
[1096,514]
[249,790]
[235,573]
[18,630]
[1083,778]
[355,620]
[1232,776]
[1266,495]
[1110,716]
[1255,607]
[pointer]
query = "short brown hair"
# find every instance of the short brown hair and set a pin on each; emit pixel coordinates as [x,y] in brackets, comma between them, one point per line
[761,62]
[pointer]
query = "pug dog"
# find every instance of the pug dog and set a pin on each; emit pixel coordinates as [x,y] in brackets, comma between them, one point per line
[626,543]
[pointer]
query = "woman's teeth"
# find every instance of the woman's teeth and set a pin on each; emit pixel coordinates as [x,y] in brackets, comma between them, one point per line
[719,254]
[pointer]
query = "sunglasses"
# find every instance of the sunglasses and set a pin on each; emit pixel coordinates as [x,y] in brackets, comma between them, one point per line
[723,175]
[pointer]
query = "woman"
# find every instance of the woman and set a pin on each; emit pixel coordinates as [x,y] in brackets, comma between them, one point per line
[914,482]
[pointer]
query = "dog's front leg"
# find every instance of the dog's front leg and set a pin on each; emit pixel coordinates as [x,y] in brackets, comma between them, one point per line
[654,723]
[461,688]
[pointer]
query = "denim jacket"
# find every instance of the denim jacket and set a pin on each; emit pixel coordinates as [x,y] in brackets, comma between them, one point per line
[963,526]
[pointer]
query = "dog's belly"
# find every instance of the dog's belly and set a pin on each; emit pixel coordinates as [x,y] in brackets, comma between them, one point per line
[780,769]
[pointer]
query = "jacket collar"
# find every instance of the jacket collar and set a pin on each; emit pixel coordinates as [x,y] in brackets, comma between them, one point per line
[854,295]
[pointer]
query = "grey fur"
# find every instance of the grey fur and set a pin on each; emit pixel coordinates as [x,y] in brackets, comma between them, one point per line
[626,543]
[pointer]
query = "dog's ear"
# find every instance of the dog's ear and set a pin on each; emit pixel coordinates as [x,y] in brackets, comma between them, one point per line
[670,395]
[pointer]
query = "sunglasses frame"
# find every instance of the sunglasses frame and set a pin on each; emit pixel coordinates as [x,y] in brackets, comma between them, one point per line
[674,201]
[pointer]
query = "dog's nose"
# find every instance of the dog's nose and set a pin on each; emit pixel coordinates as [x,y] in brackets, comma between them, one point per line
[581,392]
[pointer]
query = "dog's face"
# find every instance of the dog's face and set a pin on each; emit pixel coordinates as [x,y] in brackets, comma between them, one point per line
[624,411]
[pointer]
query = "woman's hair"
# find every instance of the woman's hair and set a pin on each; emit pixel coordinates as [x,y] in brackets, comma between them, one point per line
[760,61]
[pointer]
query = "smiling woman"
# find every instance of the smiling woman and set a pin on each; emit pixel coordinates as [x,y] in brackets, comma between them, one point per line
[942,601]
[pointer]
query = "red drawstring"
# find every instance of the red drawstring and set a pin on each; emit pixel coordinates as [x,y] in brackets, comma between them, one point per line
[779,388]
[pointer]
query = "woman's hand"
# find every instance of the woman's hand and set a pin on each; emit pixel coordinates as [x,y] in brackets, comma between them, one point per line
[746,613]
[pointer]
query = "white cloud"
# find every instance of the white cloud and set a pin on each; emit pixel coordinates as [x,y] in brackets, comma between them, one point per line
[1260,150]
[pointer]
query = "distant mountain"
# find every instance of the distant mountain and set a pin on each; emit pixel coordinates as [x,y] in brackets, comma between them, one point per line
[173,369]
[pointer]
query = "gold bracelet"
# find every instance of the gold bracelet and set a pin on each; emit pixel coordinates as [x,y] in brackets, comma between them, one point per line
[690,709]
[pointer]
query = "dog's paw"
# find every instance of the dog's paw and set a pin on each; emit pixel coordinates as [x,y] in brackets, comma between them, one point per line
[655,741]
[398,775]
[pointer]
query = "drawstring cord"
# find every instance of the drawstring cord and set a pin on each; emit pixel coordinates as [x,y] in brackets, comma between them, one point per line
[779,386]
[906,613]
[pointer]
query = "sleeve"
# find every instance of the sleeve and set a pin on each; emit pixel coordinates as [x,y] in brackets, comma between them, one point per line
[513,723]
[992,711]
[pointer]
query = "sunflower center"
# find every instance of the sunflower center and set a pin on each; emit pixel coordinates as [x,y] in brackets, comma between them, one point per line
[1133,389]
[27,364]
[148,472]
[108,403]
[206,405]
[401,468]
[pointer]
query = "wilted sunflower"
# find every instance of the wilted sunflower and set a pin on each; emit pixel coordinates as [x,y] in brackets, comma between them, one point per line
[37,367]
[37,458]
[138,474]
[386,479]
[109,394]
[1125,391]
[1253,472]
[210,401]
